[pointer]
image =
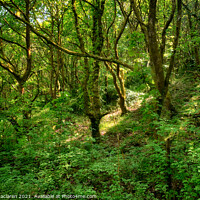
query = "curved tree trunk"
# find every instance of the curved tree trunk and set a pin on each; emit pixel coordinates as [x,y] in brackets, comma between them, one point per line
[120,90]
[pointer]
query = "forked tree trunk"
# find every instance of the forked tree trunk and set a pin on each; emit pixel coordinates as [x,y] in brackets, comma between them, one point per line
[156,52]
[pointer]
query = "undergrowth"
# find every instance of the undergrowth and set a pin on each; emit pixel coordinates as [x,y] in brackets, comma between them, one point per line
[57,155]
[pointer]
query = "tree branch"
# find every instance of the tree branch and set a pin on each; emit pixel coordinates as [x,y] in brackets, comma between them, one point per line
[89,4]
[115,10]
[9,41]
[190,12]
[79,54]
[162,46]
[16,6]
[120,34]
[175,43]
[17,77]
[82,46]
[14,29]
[137,13]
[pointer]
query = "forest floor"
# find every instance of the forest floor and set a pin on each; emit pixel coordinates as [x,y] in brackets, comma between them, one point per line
[131,162]
[184,92]
[113,125]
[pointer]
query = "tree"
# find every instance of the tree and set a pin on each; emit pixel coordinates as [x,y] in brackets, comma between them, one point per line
[191,33]
[156,50]
[117,73]
[20,45]
[92,97]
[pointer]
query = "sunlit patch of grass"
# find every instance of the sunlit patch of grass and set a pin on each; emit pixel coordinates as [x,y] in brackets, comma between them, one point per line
[124,126]
[114,123]
[110,121]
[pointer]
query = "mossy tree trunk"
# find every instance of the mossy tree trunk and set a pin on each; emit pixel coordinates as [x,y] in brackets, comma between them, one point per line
[154,52]
[97,44]
[90,84]
[20,76]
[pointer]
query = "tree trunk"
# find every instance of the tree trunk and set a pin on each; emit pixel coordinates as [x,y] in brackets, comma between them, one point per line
[155,55]
[96,103]
[91,90]
[97,43]
[120,90]
[122,105]
[95,121]
[155,52]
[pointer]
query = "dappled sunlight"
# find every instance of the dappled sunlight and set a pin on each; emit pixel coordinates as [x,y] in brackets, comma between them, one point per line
[99,100]
[109,121]
[115,119]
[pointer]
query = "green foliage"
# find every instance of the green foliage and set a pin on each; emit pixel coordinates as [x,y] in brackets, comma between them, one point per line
[109,95]
[139,80]
[45,144]
[49,161]
[136,40]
